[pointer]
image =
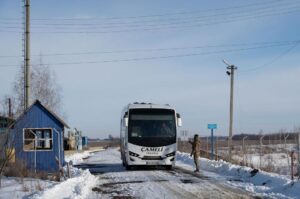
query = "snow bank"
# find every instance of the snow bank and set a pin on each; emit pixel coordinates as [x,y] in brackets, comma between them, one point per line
[13,187]
[268,184]
[77,158]
[77,187]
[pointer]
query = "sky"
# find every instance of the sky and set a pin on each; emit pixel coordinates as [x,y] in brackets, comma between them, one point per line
[108,53]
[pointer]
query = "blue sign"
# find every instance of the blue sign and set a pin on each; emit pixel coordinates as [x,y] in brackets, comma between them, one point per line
[212,126]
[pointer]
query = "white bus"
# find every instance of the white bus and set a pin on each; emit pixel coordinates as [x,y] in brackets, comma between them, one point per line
[149,135]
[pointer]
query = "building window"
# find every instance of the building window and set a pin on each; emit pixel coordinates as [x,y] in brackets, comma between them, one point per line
[39,139]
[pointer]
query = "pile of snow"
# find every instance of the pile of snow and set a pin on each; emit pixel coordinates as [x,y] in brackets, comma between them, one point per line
[76,187]
[77,158]
[13,187]
[267,184]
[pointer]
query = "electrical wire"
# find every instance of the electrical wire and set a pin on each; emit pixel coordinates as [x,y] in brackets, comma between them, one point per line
[193,19]
[162,49]
[268,3]
[158,57]
[284,53]
[154,29]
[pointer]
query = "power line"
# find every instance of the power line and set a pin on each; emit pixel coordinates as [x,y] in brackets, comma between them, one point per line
[157,57]
[284,53]
[159,15]
[170,25]
[291,42]
[166,27]
[231,15]
[196,21]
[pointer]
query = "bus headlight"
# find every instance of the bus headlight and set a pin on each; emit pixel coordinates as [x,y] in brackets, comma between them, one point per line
[171,154]
[133,154]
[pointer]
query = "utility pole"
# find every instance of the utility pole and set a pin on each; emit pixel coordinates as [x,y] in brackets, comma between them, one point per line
[9,109]
[27,55]
[298,149]
[231,69]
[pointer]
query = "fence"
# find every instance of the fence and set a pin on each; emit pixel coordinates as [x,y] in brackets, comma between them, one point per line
[272,155]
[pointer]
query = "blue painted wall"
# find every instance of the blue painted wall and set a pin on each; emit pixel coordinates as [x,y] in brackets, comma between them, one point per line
[38,117]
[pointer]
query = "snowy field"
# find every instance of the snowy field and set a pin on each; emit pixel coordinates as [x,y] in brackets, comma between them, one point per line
[274,158]
[217,179]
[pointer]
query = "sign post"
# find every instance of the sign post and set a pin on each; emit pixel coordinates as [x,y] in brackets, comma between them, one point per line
[212,127]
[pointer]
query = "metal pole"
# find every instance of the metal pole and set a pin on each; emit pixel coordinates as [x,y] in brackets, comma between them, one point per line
[261,152]
[292,165]
[244,149]
[58,143]
[27,54]
[207,144]
[212,144]
[231,73]
[285,138]
[35,140]
[217,148]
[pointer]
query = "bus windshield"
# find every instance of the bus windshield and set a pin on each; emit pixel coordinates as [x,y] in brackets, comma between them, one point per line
[156,125]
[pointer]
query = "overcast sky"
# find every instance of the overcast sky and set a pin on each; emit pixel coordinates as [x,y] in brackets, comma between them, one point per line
[163,51]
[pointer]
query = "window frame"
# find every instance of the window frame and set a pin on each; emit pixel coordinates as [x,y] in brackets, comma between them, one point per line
[51,139]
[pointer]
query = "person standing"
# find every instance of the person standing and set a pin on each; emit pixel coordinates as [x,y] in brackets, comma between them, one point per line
[196,151]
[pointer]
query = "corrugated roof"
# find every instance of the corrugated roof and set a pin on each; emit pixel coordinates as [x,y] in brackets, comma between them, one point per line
[47,109]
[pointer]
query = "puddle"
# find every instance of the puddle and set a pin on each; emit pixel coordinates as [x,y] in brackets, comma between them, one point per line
[186,181]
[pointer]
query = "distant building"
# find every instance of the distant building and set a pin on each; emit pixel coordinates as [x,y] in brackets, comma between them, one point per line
[74,140]
[38,138]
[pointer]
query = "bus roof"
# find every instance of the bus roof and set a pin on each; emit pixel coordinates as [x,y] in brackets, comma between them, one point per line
[148,105]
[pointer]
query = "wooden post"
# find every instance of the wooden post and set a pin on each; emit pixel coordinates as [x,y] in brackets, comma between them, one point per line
[68,170]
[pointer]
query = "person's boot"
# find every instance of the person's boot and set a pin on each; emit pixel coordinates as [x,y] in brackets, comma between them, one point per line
[196,171]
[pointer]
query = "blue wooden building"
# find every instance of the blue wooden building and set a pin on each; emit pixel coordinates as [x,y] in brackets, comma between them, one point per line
[38,138]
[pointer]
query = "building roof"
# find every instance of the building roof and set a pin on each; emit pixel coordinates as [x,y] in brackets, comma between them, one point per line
[37,102]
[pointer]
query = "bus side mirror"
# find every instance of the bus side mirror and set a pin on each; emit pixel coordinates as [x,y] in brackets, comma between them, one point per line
[125,119]
[179,121]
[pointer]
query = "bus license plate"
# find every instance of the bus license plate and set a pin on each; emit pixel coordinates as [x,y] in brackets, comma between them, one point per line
[151,163]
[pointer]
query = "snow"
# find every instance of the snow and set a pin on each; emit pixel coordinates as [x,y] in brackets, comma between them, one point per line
[17,188]
[147,183]
[77,158]
[113,180]
[78,186]
[263,183]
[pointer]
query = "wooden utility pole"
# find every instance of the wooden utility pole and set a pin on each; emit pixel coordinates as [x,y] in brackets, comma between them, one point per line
[231,69]
[27,55]
[9,109]
[298,149]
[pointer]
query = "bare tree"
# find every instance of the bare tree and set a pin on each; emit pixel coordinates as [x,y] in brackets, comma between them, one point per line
[6,151]
[44,87]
